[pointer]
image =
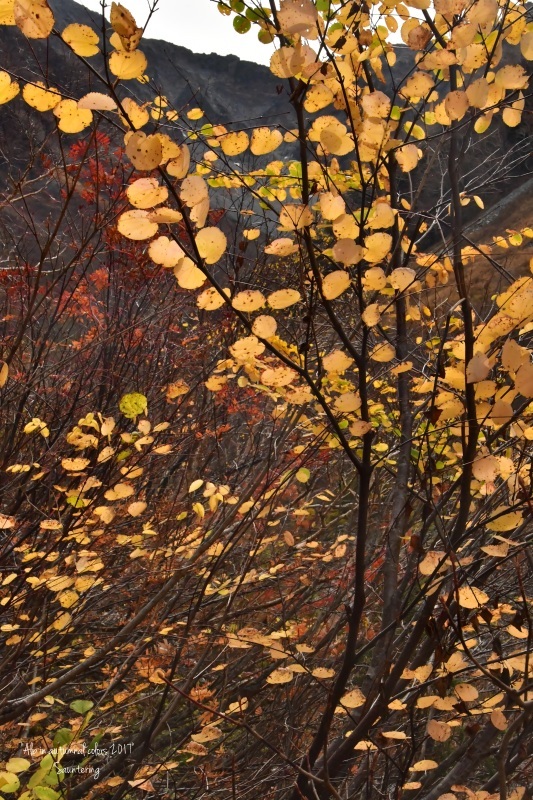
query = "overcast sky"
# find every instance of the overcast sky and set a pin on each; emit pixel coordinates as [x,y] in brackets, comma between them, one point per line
[196,24]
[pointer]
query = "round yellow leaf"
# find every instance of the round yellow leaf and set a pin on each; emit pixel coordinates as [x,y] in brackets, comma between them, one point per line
[96,101]
[281,247]
[188,275]
[127,66]
[466,692]
[402,278]
[146,193]
[165,251]
[75,464]
[264,140]
[407,157]
[383,353]
[337,362]
[136,225]
[377,246]
[264,326]
[17,765]
[334,284]
[137,508]
[82,39]
[280,675]
[8,88]
[165,215]
[279,376]
[68,598]
[193,190]
[144,152]
[347,252]
[470,597]
[295,217]
[62,621]
[210,299]
[283,298]
[439,731]
[39,97]
[234,143]
[211,244]
[353,699]
[323,673]
[424,765]
[249,300]
[34,18]
[71,118]
[247,348]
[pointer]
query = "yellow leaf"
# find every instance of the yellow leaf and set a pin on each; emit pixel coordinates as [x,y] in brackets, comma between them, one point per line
[283,298]
[17,765]
[71,118]
[377,246]
[264,326]
[4,373]
[248,300]
[334,284]
[422,766]
[504,522]
[82,39]
[353,699]
[264,140]
[402,278]
[439,731]
[207,734]
[337,362]
[146,193]
[62,621]
[295,217]
[96,101]
[188,275]
[34,18]
[234,143]
[137,508]
[75,464]
[383,353]
[322,673]
[499,720]
[211,244]
[211,299]
[8,88]
[127,66]
[39,97]
[470,597]
[123,23]
[347,252]
[165,251]
[136,225]
[68,598]
[477,368]
[280,675]
[7,12]
[281,247]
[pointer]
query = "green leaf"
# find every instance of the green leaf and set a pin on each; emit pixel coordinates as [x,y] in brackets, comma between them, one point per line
[45,793]
[303,475]
[18,765]
[63,737]
[241,24]
[133,404]
[81,706]
[9,782]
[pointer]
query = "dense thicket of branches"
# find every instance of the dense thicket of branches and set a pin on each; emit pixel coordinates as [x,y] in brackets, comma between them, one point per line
[267,419]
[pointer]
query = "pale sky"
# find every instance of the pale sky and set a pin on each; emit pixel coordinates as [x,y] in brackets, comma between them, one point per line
[196,24]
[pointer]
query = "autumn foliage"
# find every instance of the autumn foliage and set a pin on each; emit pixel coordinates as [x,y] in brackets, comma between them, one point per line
[266,507]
